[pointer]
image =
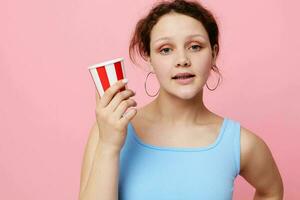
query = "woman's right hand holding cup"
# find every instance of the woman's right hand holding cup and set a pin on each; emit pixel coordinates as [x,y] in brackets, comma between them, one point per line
[110,114]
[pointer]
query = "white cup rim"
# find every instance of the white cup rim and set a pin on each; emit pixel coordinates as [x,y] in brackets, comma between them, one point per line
[106,62]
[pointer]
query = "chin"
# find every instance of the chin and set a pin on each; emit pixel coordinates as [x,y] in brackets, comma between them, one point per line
[187,94]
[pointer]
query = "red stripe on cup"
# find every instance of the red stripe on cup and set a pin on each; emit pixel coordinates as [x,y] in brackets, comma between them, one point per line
[104,79]
[119,72]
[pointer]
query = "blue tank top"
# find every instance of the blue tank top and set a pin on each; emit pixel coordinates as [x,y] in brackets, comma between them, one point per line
[149,172]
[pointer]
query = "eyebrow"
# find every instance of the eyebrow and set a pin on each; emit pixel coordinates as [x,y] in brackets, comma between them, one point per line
[190,36]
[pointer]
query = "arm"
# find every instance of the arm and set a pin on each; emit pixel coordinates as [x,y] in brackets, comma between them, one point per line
[259,168]
[99,171]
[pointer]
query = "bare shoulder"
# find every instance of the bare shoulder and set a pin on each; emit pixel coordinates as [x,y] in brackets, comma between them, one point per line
[249,141]
[258,166]
[252,145]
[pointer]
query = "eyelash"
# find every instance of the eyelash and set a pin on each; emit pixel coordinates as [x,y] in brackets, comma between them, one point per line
[169,48]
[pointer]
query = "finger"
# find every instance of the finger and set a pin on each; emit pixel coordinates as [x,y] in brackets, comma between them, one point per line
[97,97]
[111,91]
[119,97]
[128,116]
[123,106]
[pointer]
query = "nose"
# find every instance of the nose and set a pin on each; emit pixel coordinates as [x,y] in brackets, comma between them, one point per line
[183,60]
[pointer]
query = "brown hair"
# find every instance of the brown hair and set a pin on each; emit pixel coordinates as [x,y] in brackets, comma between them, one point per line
[140,41]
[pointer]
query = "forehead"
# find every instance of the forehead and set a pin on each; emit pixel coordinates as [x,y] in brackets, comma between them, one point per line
[175,26]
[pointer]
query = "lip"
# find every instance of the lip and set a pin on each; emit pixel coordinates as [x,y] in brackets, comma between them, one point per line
[184,81]
[183,74]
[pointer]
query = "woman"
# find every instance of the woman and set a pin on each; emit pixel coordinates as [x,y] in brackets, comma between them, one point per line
[174,147]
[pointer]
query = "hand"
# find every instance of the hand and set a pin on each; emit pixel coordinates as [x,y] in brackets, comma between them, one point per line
[110,113]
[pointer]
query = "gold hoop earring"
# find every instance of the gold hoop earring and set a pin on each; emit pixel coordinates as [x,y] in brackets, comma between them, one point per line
[146,86]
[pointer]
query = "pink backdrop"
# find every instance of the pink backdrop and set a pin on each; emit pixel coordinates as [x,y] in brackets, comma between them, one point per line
[48,97]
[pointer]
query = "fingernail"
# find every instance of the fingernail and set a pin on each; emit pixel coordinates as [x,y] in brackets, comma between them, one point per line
[125,80]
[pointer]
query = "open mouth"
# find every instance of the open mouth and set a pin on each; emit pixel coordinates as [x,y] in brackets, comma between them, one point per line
[183,77]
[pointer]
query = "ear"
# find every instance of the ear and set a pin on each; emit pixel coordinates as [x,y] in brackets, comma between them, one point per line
[149,64]
[215,53]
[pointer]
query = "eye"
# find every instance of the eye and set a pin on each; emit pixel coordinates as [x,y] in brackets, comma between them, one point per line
[164,50]
[196,47]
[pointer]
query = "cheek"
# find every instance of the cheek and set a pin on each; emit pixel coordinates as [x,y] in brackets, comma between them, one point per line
[162,67]
[162,74]
[202,64]
[202,67]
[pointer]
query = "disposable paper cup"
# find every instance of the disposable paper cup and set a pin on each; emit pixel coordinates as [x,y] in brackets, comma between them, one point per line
[106,73]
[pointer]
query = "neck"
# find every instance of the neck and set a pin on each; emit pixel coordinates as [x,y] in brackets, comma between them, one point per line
[174,110]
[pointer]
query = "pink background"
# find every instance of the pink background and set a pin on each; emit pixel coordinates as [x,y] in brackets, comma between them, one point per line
[48,97]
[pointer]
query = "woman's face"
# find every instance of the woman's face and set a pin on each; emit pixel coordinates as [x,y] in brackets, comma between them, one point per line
[177,39]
